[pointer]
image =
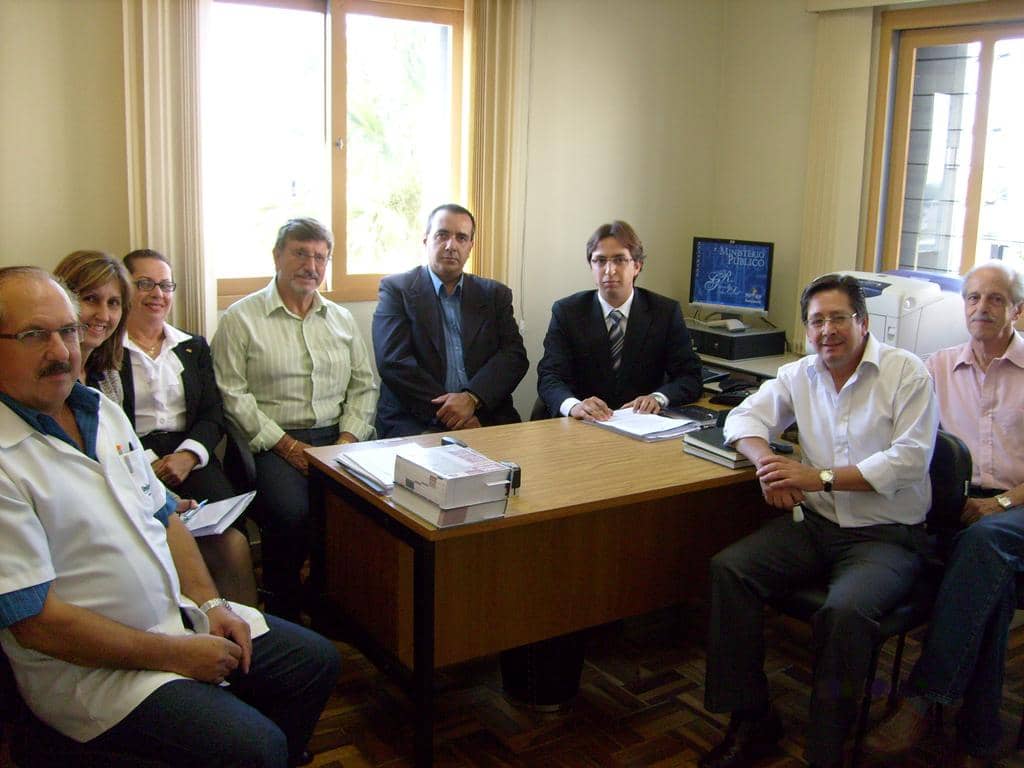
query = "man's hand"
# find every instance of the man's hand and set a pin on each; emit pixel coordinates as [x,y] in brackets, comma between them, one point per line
[173,468]
[294,452]
[184,505]
[591,409]
[345,438]
[784,480]
[456,409]
[207,658]
[644,404]
[975,509]
[227,624]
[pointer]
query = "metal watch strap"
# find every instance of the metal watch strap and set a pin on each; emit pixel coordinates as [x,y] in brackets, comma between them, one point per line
[215,602]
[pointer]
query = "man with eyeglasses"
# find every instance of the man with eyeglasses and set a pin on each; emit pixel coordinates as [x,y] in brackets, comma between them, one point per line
[617,346]
[859,494]
[294,372]
[980,388]
[114,630]
[448,348]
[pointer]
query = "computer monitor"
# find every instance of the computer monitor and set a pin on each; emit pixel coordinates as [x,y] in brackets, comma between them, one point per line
[733,277]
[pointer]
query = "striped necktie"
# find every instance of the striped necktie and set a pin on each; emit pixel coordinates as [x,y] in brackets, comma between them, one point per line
[616,337]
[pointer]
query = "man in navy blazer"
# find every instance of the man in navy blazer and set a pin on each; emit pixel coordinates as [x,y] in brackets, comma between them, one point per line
[448,350]
[580,375]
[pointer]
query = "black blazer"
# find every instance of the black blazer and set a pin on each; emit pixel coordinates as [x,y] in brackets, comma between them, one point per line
[657,355]
[408,344]
[204,410]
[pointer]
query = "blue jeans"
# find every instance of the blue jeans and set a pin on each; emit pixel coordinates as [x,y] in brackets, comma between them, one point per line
[965,652]
[262,719]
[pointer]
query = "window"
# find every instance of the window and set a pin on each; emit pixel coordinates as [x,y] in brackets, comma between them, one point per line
[352,116]
[953,183]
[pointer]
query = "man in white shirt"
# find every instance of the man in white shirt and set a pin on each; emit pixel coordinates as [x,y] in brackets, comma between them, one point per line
[867,418]
[294,372]
[114,630]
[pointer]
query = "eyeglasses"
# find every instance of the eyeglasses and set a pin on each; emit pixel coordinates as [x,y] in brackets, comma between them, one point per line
[836,321]
[443,236]
[302,255]
[145,284]
[600,262]
[37,338]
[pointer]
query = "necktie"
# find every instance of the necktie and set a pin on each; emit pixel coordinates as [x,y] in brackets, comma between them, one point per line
[616,337]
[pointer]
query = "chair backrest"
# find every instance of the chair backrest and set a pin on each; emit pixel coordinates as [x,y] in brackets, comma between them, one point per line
[950,473]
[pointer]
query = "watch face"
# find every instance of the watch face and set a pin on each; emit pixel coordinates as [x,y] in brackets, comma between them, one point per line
[1004,501]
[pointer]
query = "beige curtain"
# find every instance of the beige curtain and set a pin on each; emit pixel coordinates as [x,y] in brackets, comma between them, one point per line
[492,47]
[162,48]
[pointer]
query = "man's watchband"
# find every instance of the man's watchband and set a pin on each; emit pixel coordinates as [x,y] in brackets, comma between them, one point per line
[826,476]
[1004,501]
[476,400]
[215,602]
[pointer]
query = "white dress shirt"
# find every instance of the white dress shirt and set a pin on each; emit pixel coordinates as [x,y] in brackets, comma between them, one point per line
[883,421]
[278,371]
[160,392]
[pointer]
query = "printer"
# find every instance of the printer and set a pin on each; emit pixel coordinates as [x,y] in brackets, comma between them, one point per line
[917,311]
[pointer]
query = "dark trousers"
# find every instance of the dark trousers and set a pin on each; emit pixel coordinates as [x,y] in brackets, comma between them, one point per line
[284,517]
[965,652]
[264,718]
[869,570]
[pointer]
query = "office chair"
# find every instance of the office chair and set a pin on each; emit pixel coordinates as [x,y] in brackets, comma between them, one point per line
[950,474]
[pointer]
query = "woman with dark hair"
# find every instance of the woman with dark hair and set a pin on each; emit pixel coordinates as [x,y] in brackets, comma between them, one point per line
[172,400]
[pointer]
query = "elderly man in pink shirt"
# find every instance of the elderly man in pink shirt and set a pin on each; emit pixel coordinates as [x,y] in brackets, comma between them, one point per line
[980,388]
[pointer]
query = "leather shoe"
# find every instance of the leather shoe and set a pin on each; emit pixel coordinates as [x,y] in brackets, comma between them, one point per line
[746,740]
[899,732]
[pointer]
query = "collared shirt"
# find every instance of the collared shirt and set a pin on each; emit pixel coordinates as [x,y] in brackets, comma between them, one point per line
[160,392]
[883,421]
[279,371]
[985,409]
[455,378]
[85,407]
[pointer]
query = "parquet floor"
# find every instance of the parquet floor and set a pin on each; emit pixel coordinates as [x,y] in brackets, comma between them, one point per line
[640,705]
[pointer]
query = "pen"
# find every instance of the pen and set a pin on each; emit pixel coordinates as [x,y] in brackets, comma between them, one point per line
[190,513]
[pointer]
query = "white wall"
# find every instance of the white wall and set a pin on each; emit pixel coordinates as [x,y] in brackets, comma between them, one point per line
[63,183]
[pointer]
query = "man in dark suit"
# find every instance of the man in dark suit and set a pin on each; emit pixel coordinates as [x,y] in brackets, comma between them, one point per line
[448,349]
[619,345]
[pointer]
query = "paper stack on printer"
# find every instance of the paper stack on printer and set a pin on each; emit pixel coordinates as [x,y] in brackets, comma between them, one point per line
[450,485]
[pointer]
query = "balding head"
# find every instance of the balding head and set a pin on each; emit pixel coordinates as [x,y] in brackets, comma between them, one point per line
[37,369]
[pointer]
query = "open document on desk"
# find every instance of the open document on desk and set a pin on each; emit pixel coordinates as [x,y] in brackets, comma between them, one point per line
[649,427]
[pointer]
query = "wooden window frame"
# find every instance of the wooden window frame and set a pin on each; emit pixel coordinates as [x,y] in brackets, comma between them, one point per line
[340,285]
[909,29]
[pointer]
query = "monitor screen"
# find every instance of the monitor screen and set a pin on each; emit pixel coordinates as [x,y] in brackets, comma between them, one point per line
[731,275]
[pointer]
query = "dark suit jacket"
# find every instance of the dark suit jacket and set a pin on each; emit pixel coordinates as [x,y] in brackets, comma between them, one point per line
[408,343]
[204,411]
[657,355]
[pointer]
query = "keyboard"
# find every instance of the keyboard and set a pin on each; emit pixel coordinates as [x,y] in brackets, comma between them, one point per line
[709,374]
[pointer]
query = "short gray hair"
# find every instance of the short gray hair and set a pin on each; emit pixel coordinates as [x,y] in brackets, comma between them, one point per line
[7,274]
[303,230]
[1014,278]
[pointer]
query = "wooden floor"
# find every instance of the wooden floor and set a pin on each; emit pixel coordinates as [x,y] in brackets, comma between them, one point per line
[640,705]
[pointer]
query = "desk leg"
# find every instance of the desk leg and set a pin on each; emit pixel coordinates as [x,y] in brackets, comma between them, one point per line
[423,652]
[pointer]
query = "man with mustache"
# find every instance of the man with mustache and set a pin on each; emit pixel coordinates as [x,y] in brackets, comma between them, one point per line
[448,349]
[980,388]
[294,372]
[619,346]
[113,627]
[867,418]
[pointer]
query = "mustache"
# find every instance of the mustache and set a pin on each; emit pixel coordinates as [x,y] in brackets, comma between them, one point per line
[55,368]
[984,316]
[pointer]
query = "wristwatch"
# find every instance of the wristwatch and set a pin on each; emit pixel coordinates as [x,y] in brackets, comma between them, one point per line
[1004,501]
[215,602]
[474,398]
[827,477]
[661,399]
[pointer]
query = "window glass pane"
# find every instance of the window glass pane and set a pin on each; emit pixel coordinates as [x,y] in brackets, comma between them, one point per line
[939,156]
[399,127]
[1001,219]
[265,150]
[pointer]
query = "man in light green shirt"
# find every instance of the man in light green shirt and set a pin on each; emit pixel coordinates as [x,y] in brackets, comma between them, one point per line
[294,372]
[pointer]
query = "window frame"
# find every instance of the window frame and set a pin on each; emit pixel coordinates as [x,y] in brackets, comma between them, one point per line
[339,284]
[902,32]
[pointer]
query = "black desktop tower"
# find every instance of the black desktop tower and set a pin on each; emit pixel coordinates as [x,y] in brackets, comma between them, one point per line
[736,345]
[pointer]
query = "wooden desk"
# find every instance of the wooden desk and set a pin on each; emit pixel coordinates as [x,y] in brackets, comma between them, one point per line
[604,527]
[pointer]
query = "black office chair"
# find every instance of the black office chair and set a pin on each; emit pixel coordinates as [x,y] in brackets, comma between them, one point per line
[950,474]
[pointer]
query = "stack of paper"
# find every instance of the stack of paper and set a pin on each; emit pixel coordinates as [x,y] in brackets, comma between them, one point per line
[709,444]
[375,466]
[648,427]
[213,518]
